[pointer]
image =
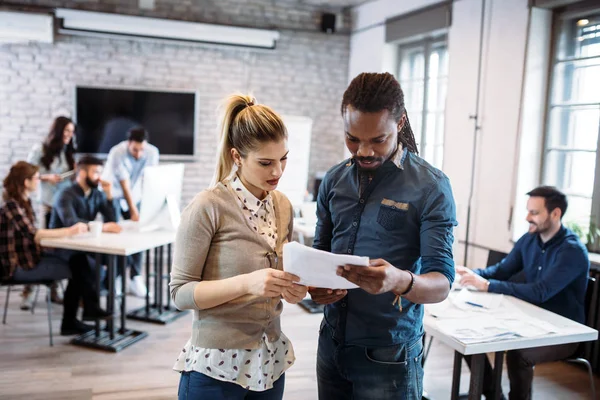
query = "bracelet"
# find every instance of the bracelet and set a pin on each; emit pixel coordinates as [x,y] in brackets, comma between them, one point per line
[410,286]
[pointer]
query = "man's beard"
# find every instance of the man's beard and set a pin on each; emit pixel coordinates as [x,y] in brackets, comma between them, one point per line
[541,228]
[378,160]
[369,159]
[91,183]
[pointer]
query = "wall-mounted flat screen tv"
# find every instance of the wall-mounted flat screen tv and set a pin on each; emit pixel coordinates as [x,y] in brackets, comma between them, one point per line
[105,115]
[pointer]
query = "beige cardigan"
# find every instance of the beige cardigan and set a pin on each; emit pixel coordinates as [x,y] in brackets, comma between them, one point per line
[214,241]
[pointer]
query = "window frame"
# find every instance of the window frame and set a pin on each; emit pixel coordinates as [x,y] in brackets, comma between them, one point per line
[428,44]
[551,104]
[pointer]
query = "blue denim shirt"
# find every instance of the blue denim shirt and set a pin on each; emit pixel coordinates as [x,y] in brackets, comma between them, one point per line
[405,215]
[555,273]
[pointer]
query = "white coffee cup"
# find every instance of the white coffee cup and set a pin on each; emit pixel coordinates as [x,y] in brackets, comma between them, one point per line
[95,228]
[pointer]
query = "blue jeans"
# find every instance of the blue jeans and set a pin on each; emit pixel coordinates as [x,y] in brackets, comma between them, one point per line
[194,385]
[366,373]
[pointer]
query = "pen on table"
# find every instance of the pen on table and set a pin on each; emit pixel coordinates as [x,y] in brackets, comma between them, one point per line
[474,304]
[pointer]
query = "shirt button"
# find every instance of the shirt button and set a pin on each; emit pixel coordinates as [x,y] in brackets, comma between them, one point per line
[349,251]
[362,201]
[540,268]
[343,305]
[543,251]
[268,315]
[354,224]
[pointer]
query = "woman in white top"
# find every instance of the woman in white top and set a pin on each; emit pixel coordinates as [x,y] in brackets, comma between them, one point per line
[236,288]
[54,157]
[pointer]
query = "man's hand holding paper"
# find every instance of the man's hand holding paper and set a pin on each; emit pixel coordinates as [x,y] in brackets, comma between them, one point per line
[377,278]
[317,268]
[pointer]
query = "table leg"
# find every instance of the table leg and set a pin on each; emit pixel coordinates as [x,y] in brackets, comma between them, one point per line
[156,312]
[122,269]
[147,282]
[98,286]
[108,339]
[156,276]
[477,370]
[456,375]
[498,363]
[110,304]
[159,277]
[169,261]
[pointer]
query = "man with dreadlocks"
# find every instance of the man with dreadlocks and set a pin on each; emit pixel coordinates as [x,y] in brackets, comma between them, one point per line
[390,205]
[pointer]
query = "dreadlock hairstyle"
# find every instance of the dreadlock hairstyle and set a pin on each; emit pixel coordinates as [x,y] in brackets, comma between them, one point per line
[374,92]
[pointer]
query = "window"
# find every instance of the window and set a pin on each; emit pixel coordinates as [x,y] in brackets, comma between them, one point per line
[423,75]
[573,115]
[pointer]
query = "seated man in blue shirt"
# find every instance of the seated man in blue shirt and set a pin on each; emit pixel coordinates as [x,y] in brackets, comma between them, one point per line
[388,204]
[125,169]
[555,267]
[81,202]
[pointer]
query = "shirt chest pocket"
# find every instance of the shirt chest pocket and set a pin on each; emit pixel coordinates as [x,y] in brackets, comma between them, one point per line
[392,217]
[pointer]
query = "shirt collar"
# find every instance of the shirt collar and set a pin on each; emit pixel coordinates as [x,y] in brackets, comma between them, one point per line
[398,158]
[555,239]
[250,200]
[81,192]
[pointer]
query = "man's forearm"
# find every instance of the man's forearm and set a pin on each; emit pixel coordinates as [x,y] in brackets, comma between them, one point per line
[432,287]
[127,193]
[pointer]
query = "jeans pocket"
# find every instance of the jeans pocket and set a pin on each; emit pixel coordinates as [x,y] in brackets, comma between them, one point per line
[390,217]
[390,355]
[415,355]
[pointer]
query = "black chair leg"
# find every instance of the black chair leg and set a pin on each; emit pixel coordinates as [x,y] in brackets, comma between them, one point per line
[6,305]
[49,303]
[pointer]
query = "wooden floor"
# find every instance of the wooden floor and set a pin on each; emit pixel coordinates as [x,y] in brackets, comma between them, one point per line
[30,369]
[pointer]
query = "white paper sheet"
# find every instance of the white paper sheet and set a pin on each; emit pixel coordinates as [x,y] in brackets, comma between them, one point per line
[495,320]
[317,268]
[479,331]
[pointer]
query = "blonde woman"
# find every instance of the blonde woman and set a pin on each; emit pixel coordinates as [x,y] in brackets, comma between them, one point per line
[228,268]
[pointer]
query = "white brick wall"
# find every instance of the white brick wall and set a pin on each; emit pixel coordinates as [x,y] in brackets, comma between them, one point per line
[306,75]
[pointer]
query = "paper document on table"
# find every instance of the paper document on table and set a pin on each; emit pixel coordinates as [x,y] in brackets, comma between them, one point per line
[317,268]
[477,331]
[531,327]
[466,299]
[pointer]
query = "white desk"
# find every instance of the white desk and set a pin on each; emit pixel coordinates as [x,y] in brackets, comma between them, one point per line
[116,247]
[568,331]
[121,244]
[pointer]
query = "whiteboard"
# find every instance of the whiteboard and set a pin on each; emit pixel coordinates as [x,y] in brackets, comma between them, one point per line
[294,181]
